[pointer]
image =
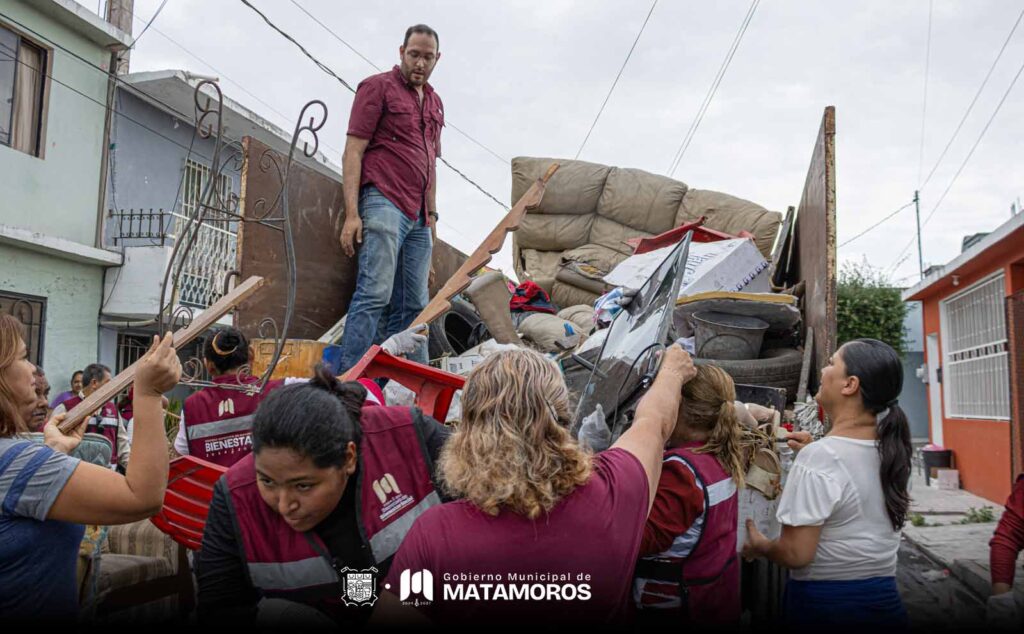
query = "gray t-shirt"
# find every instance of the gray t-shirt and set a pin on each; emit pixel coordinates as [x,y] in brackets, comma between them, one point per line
[37,556]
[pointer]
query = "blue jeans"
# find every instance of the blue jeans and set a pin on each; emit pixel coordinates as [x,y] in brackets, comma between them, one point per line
[391,286]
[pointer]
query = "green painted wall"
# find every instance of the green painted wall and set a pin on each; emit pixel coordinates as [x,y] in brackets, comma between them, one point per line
[57,194]
[72,293]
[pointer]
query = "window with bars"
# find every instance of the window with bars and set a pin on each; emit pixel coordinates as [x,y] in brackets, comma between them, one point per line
[131,348]
[976,375]
[196,177]
[31,312]
[23,70]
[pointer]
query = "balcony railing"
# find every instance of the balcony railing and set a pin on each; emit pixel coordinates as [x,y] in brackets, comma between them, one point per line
[210,258]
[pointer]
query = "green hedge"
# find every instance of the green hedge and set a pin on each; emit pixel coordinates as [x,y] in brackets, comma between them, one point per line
[867,305]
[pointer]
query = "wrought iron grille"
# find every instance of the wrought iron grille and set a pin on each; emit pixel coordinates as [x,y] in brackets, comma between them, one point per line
[31,312]
[211,258]
[976,369]
[130,348]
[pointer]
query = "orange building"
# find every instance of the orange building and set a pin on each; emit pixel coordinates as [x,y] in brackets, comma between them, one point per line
[973,311]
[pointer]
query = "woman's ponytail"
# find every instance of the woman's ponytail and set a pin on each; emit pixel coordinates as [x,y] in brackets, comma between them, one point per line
[351,393]
[895,451]
[880,372]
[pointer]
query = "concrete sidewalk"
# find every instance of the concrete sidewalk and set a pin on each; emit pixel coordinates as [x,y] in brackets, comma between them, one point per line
[960,548]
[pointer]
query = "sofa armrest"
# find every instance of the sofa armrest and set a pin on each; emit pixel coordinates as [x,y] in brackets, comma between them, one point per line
[143,539]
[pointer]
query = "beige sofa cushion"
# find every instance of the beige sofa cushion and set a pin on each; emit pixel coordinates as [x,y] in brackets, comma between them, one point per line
[538,266]
[731,215]
[574,188]
[613,235]
[596,255]
[640,200]
[553,232]
[563,295]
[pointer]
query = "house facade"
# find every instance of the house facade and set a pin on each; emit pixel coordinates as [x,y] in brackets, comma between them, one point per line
[55,96]
[973,324]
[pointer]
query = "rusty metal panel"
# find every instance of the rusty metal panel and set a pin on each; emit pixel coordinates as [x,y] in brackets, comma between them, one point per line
[326,277]
[816,244]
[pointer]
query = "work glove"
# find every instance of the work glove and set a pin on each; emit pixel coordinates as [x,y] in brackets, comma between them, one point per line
[405,342]
[594,432]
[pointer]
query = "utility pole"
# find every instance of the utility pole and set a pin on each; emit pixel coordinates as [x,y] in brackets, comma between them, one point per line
[917,212]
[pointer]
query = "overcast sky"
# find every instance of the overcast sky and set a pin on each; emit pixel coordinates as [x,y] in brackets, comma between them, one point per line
[527,77]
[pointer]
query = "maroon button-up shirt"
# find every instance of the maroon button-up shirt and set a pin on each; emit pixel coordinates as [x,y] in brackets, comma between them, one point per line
[404,135]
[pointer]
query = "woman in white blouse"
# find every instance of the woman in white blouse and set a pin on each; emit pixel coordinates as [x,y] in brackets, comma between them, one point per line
[846,499]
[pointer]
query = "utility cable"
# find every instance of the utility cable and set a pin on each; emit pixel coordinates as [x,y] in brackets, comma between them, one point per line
[447,123]
[326,69]
[924,100]
[616,82]
[973,101]
[148,24]
[862,233]
[699,117]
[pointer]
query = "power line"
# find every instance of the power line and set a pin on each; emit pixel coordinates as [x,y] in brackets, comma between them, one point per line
[876,224]
[924,100]
[695,124]
[448,124]
[973,101]
[975,146]
[287,121]
[148,24]
[616,82]
[326,69]
[965,161]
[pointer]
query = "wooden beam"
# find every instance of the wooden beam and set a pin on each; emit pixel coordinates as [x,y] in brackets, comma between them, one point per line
[482,255]
[207,318]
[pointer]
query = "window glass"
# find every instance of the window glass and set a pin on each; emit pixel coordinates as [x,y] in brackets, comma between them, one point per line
[8,65]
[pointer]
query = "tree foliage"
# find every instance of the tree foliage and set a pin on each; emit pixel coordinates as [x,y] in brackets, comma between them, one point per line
[868,305]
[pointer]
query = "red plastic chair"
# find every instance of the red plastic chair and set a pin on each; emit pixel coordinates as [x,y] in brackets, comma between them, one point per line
[190,480]
[187,499]
[434,388]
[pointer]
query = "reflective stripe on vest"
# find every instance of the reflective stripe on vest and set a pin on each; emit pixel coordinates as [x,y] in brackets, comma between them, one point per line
[219,427]
[394,488]
[703,562]
[386,542]
[292,575]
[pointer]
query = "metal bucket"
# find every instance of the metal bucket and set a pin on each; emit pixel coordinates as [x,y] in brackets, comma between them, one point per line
[728,337]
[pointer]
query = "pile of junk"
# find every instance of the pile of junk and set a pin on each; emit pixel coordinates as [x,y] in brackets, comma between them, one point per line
[616,263]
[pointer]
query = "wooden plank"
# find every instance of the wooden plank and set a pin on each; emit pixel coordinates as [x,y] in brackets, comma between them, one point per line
[815,245]
[183,336]
[482,255]
[805,367]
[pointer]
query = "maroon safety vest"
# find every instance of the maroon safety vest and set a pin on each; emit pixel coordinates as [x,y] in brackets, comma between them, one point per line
[394,487]
[218,421]
[699,573]
[105,423]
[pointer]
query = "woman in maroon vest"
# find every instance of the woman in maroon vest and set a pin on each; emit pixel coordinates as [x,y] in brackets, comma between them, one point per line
[216,422]
[315,513]
[688,568]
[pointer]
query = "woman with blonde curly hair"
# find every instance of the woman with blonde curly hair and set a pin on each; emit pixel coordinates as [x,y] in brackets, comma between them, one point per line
[689,569]
[543,529]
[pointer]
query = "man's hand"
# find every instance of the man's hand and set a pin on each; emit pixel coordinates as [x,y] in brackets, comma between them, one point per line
[59,441]
[351,234]
[405,342]
[159,370]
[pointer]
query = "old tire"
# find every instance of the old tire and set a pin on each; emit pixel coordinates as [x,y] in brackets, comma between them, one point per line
[451,334]
[779,367]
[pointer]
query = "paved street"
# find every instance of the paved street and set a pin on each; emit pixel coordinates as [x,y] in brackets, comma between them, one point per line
[933,596]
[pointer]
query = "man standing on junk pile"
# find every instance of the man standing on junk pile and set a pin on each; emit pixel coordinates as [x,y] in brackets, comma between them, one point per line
[389,175]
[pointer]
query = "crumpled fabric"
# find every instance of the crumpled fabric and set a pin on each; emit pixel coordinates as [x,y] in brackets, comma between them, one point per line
[611,303]
[529,297]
